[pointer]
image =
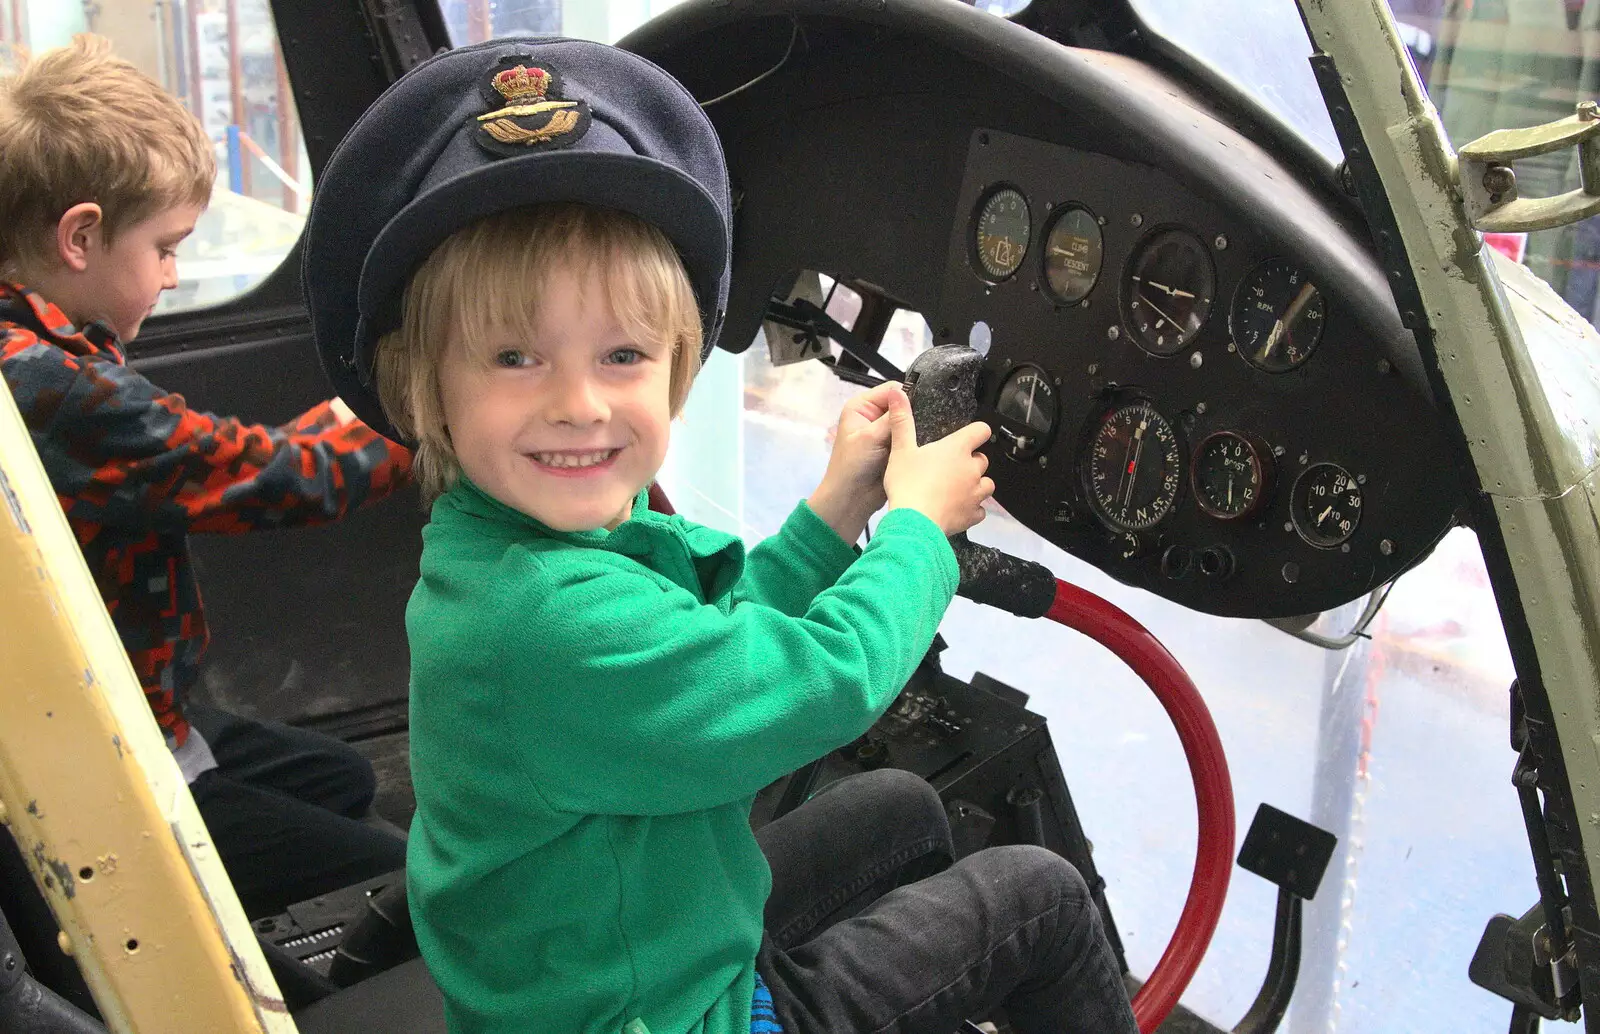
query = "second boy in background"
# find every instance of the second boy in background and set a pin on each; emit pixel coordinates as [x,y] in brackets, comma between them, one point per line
[103,174]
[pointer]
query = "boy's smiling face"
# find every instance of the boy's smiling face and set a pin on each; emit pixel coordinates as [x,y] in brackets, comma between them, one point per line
[566,420]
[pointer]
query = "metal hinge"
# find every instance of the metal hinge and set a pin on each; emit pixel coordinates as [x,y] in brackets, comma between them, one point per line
[1489,183]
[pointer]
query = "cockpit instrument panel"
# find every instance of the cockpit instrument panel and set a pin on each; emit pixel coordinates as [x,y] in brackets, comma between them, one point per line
[1179,401]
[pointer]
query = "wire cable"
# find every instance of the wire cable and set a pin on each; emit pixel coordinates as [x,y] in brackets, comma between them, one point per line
[794,33]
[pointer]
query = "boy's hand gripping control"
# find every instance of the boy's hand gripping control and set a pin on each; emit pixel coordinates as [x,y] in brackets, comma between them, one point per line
[943,387]
[942,384]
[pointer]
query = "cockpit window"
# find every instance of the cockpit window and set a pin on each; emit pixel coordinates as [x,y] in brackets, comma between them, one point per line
[1268,63]
[224,63]
[473,21]
[1501,65]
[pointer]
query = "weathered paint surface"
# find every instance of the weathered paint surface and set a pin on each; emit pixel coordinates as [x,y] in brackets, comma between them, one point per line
[113,838]
[1518,367]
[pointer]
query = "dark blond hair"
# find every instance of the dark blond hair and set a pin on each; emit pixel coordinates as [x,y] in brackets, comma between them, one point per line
[486,276]
[78,124]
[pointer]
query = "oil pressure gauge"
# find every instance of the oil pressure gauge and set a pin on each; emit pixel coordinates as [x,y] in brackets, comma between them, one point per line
[1326,505]
[1028,411]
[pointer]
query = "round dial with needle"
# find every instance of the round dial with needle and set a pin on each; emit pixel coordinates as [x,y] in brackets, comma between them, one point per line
[1167,298]
[1231,475]
[1134,467]
[1073,252]
[1028,411]
[1277,317]
[1000,230]
[1326,505]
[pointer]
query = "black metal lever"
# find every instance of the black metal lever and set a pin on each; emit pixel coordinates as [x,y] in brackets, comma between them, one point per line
[1294,855]
[942,384]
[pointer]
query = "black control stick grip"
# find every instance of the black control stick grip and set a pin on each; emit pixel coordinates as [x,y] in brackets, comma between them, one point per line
[942,384]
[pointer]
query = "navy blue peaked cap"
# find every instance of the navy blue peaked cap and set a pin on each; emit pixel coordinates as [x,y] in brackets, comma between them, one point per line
[499,125]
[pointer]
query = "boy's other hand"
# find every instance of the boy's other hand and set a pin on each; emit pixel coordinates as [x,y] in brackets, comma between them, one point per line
[944,480]
[342,411]
[852,487]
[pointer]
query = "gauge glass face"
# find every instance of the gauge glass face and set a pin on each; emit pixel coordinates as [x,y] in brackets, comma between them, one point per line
[1229,476]
[1134,467]
[1168,294]
[1277,317]
[1073,251]
[1326,507]
[1027,408]
[1000,233]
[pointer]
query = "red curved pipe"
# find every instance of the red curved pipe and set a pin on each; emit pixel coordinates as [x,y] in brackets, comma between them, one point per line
[1114,629]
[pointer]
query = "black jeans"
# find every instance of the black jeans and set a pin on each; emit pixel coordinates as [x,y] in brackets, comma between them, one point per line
[284,808]
[871,931]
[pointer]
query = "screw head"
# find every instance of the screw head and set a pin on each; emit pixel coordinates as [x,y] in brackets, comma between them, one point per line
[1221,242]
[1499,179]
[1386,547]
[1200,408]
[1136,219]
[1113,332]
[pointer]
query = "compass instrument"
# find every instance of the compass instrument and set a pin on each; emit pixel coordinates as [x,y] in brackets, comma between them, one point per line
[1134,467]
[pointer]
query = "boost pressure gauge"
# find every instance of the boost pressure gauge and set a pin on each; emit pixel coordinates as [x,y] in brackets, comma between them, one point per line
[1231,475]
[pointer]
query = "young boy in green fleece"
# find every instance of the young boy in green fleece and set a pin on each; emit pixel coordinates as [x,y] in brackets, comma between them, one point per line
[521,252]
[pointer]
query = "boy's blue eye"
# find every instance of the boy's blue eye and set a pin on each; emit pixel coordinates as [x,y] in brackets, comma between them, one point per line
[509,358]
[625,356]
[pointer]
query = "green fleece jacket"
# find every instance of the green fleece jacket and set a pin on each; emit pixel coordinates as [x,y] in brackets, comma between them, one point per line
[592,715]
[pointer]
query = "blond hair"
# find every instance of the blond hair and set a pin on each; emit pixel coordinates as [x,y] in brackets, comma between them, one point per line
[485,277]
[78,124]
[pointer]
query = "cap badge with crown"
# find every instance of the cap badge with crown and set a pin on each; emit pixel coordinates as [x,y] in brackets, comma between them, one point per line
[531,114]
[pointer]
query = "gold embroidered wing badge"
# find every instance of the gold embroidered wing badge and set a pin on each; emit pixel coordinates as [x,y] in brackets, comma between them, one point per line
[532,114]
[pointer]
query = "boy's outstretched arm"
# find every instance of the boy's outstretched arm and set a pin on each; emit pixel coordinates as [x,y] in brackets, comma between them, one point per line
[636,698]
[120,451]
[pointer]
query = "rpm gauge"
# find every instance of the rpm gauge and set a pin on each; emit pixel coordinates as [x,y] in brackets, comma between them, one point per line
[1028,411]
[1277,317]
[1326,505]
[1134,467]
[1000,231]
[1167,298]
[1231,475]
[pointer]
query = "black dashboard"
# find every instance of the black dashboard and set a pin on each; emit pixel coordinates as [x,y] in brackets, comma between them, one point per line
[1177,399]
[1197,373]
